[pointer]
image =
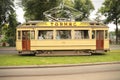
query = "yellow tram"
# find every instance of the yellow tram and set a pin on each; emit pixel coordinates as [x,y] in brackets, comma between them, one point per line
[39,36]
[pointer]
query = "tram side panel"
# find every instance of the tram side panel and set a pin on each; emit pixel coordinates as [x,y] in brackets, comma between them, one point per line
[19,45]
[106,40]
[18,40]
[59,45]
[106,45]
[87,44]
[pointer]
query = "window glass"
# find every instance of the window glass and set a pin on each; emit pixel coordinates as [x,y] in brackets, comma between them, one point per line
[19,34]
[81,34]
[100,34]
[106,34]
[93,34]
[63,34]
[32,34]
[25,35]
[45,34]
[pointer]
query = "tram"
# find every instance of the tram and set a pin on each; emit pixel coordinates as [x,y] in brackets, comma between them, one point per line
[39,36]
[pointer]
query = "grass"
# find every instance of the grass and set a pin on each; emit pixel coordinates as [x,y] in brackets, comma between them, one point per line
[16,60]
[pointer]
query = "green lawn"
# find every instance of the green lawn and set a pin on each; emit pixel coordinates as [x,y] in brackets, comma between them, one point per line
[16,60]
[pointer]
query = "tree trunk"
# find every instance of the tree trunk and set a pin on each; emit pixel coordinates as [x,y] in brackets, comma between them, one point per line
[116,32]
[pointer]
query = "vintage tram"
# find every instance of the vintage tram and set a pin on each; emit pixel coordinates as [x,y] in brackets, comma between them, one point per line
[39,36]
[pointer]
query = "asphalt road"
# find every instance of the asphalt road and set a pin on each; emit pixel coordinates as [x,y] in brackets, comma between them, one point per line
[92,72]
[8,50]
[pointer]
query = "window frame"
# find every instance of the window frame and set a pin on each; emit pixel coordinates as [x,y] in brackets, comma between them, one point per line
[32,34]
[19,35]
[94,34]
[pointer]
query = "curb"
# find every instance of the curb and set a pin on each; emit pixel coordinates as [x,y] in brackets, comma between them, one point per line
[58,65]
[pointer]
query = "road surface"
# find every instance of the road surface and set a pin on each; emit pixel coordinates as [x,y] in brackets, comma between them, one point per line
[8,50]
[92,72]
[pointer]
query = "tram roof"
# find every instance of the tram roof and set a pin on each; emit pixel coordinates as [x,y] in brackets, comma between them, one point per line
[59,24]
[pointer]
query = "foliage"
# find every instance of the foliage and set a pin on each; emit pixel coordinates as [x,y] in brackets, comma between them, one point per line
[4,31]
[9,30]
[35,8]
[98,18]
[113,33]
[84,6]
[7,21]
[11,33]
[6,8]
[111,9]
[69,3]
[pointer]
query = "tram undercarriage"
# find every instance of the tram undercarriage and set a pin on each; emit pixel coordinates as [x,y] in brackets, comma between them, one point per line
[62,52]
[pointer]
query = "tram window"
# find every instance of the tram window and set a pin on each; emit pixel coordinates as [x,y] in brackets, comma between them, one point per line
[19,34]
[81,34]
[32,34]
[63,34]
[26,35]
[93,34]
[45,34]
[106,34]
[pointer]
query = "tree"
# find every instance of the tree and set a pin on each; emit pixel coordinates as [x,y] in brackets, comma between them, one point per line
[35,8]
[98,18]
[84,6]
[6,7]
[11,32]
[111,10]
[8,21]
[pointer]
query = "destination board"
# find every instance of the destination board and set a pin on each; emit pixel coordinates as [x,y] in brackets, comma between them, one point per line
[62,24]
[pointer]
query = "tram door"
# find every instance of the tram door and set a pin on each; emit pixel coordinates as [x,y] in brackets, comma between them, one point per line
[25,40]
[99,39]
